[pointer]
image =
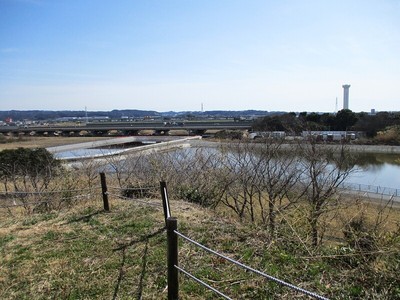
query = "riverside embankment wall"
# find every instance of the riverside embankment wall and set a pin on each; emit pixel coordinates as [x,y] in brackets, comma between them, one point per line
[375,149]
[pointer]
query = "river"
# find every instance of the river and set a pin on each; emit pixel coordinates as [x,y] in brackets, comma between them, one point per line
[377,169]
[372,169]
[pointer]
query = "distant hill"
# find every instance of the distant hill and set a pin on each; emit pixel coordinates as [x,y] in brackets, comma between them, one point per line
[221,113]
[42,115]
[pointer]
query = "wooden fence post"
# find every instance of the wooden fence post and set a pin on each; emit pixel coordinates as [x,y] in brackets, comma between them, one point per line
[104,191]
[172,258]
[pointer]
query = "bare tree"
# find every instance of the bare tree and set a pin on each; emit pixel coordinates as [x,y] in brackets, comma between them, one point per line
[259,178]
[90,169]
[279,173]
[130,169]
[323,170]
[243,181]
[28,172]
[192,174]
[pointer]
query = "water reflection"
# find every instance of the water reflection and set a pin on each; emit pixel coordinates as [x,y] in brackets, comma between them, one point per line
[377,159]
[379,169]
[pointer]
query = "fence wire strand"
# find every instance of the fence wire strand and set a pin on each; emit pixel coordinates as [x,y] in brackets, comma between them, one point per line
[202,283]
[44,192]
[131,189]
[281,282]
[136,200]
[48,201]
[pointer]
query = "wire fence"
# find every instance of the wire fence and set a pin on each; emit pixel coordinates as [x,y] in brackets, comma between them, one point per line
[30,198]
[14,199]
[237,263]
[173,265]
[47,192]
[172,234]
[373,189]
[47,201]
[158,205]
[203,283]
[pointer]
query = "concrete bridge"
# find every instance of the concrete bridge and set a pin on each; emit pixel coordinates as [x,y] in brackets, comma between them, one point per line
[126,128]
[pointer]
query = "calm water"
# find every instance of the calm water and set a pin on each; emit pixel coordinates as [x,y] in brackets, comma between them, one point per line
[372,168]
[378,169]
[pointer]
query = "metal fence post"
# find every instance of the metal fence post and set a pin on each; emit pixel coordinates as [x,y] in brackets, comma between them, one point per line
[172,259]
[165,200]
[104,191]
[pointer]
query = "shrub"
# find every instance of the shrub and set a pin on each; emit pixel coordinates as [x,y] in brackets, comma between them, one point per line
[195,196]
[360,238]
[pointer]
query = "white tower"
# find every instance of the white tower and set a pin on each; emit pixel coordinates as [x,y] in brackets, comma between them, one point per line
[346,96]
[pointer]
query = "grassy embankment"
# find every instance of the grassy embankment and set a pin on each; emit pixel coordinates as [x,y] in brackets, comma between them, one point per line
[84,253]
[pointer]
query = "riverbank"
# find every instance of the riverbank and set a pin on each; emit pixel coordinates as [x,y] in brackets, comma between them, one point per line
[375,149]
[46,142]
[351,147]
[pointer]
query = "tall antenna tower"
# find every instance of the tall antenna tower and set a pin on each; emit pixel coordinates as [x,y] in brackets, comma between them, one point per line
[86,117]
[202,107]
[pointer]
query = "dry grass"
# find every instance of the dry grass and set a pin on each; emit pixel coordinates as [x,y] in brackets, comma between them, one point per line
[44,142]
[377,212]
[84,253]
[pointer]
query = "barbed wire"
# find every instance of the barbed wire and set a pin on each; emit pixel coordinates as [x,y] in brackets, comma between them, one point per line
[202,283]
[281,282]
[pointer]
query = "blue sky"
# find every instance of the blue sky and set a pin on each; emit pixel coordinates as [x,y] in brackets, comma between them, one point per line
[287,55]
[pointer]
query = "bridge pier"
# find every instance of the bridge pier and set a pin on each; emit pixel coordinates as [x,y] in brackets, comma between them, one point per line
[99,132]
[130,132]
[161,132]
[198,132]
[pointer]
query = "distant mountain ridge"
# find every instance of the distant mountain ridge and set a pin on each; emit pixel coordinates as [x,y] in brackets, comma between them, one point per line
[41,115]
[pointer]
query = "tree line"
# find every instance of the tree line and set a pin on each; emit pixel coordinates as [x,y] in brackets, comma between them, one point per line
[343,120]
